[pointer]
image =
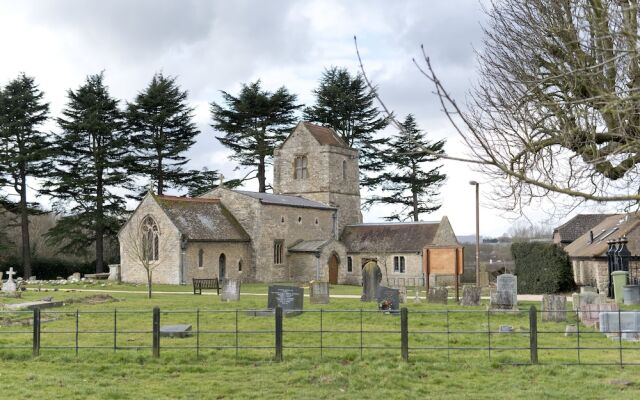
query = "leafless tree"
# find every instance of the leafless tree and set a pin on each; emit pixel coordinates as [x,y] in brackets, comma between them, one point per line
[556,110]
[145,251]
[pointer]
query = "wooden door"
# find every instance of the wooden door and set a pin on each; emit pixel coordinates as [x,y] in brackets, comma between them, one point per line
[333,269]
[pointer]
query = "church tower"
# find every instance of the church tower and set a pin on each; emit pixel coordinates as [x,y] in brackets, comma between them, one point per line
[315,163]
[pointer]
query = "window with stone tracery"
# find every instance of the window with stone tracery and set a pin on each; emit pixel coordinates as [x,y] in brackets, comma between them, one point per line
[300,165]
[150,239]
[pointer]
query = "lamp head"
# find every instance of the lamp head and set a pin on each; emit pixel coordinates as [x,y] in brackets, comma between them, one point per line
[473,183]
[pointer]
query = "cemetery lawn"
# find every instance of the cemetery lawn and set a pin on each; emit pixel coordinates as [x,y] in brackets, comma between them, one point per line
[221,373]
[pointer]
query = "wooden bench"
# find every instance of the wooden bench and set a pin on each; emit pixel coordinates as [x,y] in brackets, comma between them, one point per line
[199,284]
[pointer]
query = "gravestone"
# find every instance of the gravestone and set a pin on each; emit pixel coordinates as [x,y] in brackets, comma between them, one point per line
[403,294]
[570,330]
[289,298]
[180,330]
[505,297]
[470,295]
[9,285]
[588,289]
[388,299]
[590,314]
[230,290]
[319,292]
[371,277]
[554,308]
[438,295]
[416,299]
[75,277]
[624,324]
[581,299]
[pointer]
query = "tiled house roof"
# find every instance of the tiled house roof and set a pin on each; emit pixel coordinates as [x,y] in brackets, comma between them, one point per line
[285,200]
[593,243]
[576,227]
[324,135]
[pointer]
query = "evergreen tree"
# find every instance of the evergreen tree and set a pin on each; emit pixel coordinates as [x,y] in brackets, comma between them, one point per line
[200,182]
[162,130]
[89,156]
[23,148]
[255,123]
[405,180]
[345,103]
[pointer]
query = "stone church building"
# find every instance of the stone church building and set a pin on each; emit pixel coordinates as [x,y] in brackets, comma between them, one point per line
[309,228]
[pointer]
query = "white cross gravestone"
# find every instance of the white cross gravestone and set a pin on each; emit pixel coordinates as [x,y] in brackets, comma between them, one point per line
[9,285]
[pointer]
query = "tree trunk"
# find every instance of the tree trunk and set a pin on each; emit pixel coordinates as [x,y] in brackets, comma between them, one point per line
[160,176]
[99,225]
[262,180]
[24,224]
[415,206]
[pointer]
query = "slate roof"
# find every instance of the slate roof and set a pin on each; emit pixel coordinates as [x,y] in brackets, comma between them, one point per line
[283,200]
[324,135]
[578,225]
[613,227]
[308,246]
[202,219]
[389,237]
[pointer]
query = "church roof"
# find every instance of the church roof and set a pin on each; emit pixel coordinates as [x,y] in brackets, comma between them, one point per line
[202,219]
[578,226]
[308,246]
[324,135]
[284,200]
[612,228]
[397,236]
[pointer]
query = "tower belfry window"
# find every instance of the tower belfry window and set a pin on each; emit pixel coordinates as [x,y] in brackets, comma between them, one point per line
[300,165]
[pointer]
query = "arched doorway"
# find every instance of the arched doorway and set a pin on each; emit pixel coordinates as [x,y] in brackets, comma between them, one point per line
[333,269]
[222,267]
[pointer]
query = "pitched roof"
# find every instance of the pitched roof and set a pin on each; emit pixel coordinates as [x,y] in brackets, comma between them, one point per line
[324,135]
[284,200]
[202,219]
[613,227]
[308,246]
[389,237]
[578,225]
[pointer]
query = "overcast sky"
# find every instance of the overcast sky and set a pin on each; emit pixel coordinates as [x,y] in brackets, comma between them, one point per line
[217,45]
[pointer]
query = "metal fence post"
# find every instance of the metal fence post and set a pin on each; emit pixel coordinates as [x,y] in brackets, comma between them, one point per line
[278,334]
[533,334]
[404,333]
[156,331]
[36,331]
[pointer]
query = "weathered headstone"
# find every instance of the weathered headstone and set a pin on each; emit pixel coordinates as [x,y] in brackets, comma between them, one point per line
[371,277]
[319,292]
[230,290]
[505,297]
[590,314]
[554,308]
[470,295]
[9,285]
[570,330]
[416,299]
[588,289]
[114,272]
[181,330]
[438,295]
[75,277]
[289,298]
[581,299]
[624,324]
[388,299]
[403,294]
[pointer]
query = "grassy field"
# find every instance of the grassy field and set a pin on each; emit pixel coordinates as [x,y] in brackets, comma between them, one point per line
[220,372]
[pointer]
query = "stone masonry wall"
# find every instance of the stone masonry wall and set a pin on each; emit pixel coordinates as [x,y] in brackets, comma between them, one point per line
[234,253]
[165,270]
[413,267]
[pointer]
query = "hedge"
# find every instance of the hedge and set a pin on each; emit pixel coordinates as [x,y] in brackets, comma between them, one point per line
[49,268]
[542,268]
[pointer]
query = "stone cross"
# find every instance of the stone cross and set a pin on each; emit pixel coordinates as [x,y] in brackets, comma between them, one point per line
[9,285]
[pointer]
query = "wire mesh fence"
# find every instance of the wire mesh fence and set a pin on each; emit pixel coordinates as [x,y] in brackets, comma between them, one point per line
[514,337]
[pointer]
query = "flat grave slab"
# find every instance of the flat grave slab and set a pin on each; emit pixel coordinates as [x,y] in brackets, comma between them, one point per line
[180,330]
[31,305]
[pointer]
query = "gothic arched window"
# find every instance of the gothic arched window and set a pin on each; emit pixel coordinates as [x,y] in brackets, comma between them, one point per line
[200,258]
[150,239]
[344,170]
[300,165]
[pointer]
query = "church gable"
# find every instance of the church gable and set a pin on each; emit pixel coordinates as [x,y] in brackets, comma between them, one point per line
[306,131]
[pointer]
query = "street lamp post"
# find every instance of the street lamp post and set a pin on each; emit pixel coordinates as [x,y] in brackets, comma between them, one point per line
[477,185]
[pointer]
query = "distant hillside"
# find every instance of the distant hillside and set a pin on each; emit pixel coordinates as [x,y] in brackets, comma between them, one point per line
[467,239]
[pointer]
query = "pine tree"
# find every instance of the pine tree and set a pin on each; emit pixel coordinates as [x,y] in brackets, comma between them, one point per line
[162,131]
[89,156]
[345,103]
[255,123]
[405,180]
[23,148]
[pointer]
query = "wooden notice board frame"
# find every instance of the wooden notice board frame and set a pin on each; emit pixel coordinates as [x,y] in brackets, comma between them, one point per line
[443,260]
